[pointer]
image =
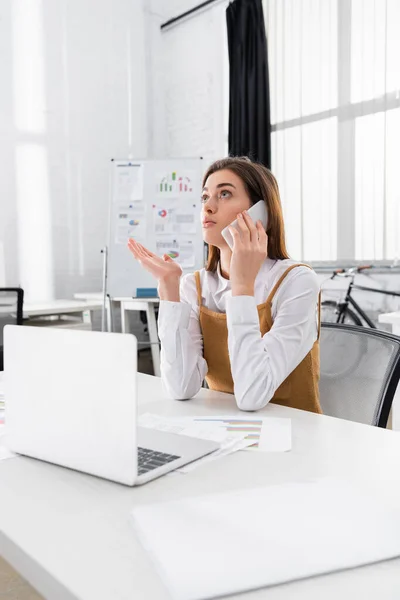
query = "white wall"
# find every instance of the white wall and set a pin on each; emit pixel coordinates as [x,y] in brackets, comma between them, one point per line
[74,95]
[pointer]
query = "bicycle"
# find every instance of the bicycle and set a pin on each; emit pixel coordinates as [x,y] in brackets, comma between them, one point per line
[339,312]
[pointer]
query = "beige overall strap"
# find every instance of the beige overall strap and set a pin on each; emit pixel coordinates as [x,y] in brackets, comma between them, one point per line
[281,278]
[278,283]
[319,315]
[198,286]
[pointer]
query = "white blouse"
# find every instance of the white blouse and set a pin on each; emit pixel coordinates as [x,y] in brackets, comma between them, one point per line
[259,364]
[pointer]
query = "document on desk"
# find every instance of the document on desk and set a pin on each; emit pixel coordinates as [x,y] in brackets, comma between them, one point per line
[4,451]
[1,398]
[250,539]
[229,441]
[265,434]
[1,388]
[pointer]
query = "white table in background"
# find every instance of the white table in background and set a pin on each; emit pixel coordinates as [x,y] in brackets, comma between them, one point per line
[70,534]
[98,297]
[61,307]
[148,305]
[128,304]
[393,319]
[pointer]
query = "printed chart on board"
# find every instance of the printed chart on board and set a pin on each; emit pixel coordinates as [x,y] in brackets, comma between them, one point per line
[157,203]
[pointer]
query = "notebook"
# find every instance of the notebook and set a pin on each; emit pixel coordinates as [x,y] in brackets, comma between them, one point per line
[219,544]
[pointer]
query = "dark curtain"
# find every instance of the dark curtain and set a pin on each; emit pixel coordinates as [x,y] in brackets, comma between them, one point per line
[249,108]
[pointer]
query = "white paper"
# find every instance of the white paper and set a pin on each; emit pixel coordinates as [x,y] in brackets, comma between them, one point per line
[130,224]
[266,434]
[172,216]
[276,435]
[5,453]
[169,246]
[228,446]
[136,208]
[248,539]
[249,426]
[187,254]
[182,251]
[164,216]
[129,182]
[229,442]
[186,220]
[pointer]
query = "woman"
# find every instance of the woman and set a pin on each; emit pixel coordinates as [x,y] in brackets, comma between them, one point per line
[249,321]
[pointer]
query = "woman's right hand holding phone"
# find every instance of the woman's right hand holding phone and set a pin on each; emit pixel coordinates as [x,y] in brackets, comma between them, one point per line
[164,269]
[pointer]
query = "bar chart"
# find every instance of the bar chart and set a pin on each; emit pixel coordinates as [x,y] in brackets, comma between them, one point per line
[252,427]
[174,184]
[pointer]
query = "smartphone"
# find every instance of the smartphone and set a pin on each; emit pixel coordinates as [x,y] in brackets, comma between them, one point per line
[258,212]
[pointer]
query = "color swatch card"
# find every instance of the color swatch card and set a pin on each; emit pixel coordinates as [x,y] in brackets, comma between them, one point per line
[268,434]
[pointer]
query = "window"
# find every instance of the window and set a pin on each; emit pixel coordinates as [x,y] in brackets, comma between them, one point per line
[335,112]
[31,154]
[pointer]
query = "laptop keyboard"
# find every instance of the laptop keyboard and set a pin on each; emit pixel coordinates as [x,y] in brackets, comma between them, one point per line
[151,459]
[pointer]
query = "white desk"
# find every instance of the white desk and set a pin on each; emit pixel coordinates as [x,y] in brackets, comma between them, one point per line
[126,304]
[147,305]
[89,296]
[393,319]
[70,534]
[61,307]
[98,297]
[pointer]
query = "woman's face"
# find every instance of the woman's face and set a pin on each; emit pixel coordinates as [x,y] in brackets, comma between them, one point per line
[223,198]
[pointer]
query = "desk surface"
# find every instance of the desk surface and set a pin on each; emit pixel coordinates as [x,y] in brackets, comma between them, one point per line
[70,534]
[126,301]
[55,307]
[392,318]
[99,296]
[89,296]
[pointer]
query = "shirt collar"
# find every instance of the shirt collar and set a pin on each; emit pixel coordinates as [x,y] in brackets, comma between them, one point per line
[225,284]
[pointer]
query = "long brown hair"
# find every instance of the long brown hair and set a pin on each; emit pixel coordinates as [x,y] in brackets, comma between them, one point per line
[259,184]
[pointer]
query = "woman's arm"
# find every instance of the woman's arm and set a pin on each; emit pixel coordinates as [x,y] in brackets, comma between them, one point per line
[261,363]
[183,367]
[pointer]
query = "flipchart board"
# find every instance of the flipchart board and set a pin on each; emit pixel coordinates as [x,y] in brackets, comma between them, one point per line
[156,202]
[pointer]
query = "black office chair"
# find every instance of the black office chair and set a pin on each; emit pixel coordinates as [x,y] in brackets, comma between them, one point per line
[11,312]
[360,370]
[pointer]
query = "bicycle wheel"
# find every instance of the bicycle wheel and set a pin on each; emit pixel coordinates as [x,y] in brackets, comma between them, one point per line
[329,314]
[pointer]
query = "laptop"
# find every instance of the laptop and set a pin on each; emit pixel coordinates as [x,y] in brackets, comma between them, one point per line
[71,400]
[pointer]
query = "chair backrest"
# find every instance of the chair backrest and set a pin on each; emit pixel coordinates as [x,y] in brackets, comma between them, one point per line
[11,312]
[360,370]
